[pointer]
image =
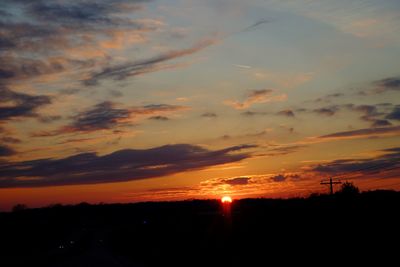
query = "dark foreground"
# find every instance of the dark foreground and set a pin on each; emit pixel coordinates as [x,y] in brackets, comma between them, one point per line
[256,232]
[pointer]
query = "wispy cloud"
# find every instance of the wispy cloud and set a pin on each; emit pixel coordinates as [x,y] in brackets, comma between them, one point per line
[327,111]
[378,166]
[242,66]
[287,113]
[135,68]
[256,96]
[6,151]
[390,84]
[235,181]
[250,113]
[394,115]
[282,150]
[10,139]
[209,115]
[364,133]
[159,118]
[256,24]
[16,105]
[376,114]
[106,115]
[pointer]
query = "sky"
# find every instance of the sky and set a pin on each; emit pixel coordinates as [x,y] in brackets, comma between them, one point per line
[145,100]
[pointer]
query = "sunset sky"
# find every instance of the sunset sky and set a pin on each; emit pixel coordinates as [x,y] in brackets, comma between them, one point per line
[137,100]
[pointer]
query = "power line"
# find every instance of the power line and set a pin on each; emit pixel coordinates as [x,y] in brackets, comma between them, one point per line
[331,182]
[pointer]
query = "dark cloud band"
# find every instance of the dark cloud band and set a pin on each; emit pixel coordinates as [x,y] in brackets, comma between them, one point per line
[122,165]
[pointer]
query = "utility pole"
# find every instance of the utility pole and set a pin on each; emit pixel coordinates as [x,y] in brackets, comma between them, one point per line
[331,182]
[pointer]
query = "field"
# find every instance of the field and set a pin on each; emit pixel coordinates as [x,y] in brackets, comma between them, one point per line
[248,232]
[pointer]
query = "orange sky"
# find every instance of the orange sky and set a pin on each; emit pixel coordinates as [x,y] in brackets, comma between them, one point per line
[132,101]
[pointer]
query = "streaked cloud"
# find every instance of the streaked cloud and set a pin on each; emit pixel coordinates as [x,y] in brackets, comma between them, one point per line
[242,66]
[6,151]
[159,118]
[10,140]
[386,85]
[14,104]
[394,115]
[286,112]
[327,111]
[256,97]
[209,115]
[282,150]
[107,116]
[364,133]
[256,24]
[119,166]
[380,165]
[135,68]
[236,181]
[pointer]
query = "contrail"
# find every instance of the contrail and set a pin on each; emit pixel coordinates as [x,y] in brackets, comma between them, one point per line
[242,66]
[258,23]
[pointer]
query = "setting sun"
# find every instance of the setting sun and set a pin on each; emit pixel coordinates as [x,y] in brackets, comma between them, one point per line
[226,199]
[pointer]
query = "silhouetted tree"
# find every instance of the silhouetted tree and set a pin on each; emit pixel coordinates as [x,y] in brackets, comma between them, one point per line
[348,189]
[19,207]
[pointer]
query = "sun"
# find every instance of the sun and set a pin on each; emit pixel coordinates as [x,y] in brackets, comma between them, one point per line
[226,199]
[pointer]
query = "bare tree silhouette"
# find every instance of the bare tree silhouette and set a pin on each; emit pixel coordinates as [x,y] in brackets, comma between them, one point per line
[348,189]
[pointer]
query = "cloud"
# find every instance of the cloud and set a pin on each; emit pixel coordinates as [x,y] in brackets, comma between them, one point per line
[253,113]
[256,24]
[394,115]
[278,178]
[236,181]
[49,119]
[389,161]
[209,115]
[369,113]
[54,37]
[263,185]
[287,128]
[156,108]
[122,71]
[335,95]
[242,66]
[287,113]
[159,118]
[119,166]
[285,177]
[10,140]
[15,104]
[4,14]
[102,116]
[256,96]
[105,116]
[381,123]
[327,111]
[283,150]
[6,151]
[368,110]
[6,74]
[364,133]
[328,98]
[79,14]
[387,84]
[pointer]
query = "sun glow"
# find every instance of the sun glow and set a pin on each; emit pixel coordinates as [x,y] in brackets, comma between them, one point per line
[226,199]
